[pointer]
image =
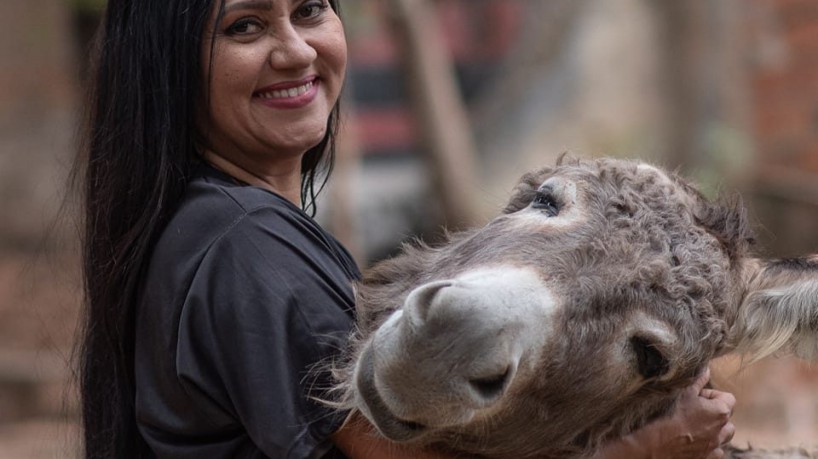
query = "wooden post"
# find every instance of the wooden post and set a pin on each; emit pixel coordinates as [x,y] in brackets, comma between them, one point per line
[439,111]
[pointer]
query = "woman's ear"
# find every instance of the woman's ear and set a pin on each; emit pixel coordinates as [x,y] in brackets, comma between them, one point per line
[778,310]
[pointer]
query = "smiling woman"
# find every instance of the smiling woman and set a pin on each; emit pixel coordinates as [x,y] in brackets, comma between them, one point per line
[275,73]
[211,293]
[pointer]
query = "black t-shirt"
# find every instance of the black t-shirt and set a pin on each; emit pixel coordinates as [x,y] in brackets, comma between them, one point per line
[245,298]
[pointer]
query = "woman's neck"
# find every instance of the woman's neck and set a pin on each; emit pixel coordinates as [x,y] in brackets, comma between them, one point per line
[286,184]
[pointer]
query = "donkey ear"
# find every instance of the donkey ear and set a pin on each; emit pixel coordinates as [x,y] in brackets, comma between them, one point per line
[779,310]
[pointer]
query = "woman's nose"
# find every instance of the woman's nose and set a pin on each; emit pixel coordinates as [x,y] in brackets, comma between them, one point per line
[292,51]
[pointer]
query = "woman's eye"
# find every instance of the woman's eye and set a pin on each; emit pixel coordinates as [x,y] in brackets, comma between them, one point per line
[311,10]
[545,201]
[245,26]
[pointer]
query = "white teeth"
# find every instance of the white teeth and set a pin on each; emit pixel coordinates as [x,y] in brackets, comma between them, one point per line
[285,93]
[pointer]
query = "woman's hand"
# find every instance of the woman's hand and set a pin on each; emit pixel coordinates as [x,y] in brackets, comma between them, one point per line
[697,429]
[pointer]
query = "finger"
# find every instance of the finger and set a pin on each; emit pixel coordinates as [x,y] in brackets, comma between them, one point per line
[701,381]
[715,394]
[726,433]
[726,397]
[723,402]
[717,453]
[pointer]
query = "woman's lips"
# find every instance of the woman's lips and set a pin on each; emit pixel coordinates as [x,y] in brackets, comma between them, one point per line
[294,94]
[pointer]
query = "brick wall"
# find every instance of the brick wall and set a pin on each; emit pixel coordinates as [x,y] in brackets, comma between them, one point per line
[785,89]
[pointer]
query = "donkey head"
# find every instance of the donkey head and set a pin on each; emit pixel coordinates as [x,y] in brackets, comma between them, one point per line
[603,289]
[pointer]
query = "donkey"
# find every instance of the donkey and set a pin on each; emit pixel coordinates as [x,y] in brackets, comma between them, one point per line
[579,314]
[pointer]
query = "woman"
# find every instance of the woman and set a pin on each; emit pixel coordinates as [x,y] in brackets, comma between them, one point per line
[211,293]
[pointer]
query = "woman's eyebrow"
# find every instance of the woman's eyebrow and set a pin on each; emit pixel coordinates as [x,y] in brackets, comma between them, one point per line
[250,5]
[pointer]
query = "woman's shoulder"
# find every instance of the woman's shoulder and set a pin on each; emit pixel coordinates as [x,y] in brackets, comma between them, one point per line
[214,199]
[214,204]
[218,213]
[237,239]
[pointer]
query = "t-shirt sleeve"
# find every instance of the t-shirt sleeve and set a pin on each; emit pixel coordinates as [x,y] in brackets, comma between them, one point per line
[264,316]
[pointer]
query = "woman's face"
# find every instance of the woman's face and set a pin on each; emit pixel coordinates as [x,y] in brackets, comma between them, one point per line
[274,76]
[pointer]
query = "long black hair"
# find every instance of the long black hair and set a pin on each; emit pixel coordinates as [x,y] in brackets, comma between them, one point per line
[136,158]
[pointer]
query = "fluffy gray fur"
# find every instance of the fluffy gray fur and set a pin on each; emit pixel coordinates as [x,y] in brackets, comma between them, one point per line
[650,244]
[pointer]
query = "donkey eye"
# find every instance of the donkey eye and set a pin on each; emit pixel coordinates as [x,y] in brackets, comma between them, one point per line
[545,201]
[650,361]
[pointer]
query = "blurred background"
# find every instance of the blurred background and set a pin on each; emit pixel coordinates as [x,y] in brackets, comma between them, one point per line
[448,102]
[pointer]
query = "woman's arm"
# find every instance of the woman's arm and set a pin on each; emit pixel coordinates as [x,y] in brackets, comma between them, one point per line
[357,440]
[697,429]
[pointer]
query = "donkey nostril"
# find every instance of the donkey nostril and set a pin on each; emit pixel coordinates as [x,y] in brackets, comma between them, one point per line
[419,303]
[491,387]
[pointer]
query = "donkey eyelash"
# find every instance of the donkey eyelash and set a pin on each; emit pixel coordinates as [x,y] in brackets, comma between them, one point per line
[546,202]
